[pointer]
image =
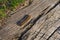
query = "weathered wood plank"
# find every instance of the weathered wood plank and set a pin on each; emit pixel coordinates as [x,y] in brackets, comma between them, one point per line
[48,21]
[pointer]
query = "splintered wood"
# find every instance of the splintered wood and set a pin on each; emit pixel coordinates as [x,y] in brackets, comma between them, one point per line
[45,23]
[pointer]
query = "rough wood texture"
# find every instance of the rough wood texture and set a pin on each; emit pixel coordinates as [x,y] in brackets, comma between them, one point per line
[45,27]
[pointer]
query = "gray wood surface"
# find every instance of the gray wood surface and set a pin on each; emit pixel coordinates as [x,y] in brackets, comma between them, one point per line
[42,29]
